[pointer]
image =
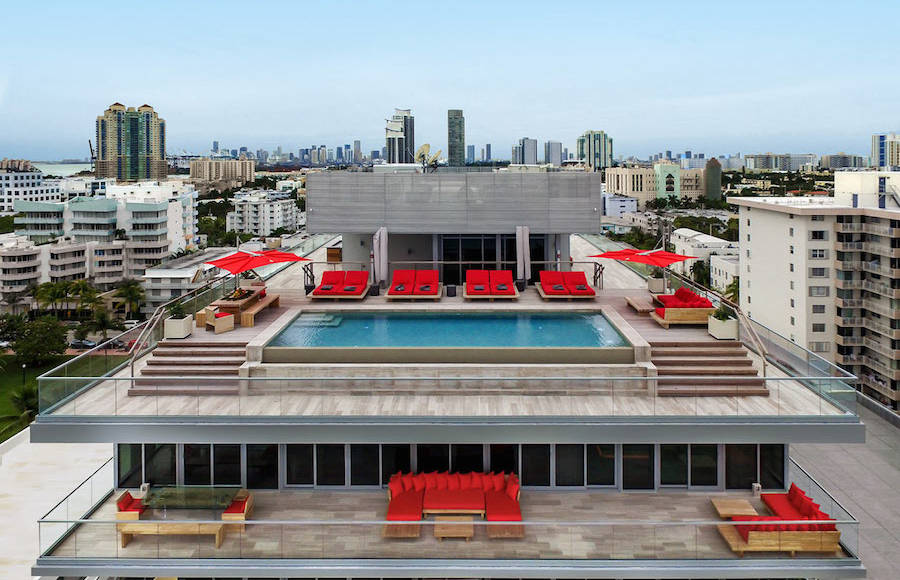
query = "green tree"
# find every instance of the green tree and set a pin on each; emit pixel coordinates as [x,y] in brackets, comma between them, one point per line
[700,272]
[132,294]
[102,322]
[52,295]
[41,341]
[11,326]
[733,290]
[24,402]
[85,293]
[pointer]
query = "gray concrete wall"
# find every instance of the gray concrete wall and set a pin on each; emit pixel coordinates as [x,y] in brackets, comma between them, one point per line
[406,247]
[463,203]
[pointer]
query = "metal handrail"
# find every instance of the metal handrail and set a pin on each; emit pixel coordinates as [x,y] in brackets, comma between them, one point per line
[80,485]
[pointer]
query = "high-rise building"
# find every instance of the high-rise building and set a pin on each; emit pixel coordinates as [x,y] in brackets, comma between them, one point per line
[131,144]
[456,138]
[483,158]
[260,213]
[885,150]
[781,161]
[595,148]
[470,154]
[660,181]
[348,157]
[487,152]
[357,151]
[525,153]
[215,147]
[841,161]
[339,154]
[553,153]
[400,137]
[22,182]
[236,171]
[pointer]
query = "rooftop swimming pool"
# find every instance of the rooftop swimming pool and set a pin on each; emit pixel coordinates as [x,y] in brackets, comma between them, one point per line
[449,330]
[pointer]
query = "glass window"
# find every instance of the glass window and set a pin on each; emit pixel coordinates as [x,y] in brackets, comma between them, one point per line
[704,465]
[504,458]
[330,465]
[637,466]
[197,464]
[673,464]
[570,465]
[299,465]
[740,466]
[262,466]
[159,463]
[227,464]
[466,458]
[394,458]
[432,457]
[130,465]
[601,464]
[364,465]
[535,465]
[771,466]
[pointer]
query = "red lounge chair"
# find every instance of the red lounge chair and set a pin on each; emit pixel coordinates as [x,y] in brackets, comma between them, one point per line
[502,283]
[552,285]
[402,284]
[332,281]
[578,285]
[478,283]
[427,283]
[356,283]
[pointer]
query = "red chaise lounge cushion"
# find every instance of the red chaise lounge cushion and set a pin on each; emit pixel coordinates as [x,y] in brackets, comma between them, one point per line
[427,283]
[402,283]
[502,283]
[553,283]
[577,284]
[236,507]
[355,283]
[501,508]
[405,507]
[478,282]
[332,283]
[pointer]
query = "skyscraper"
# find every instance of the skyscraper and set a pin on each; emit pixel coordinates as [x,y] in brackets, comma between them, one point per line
[456,138]
[553,153]
[885,150]
[595,148]
[487,152]
[357,152]
[215,147]
[131,144]
[470,154]
[347,157]
[400,137]
[525,152]
[339,154]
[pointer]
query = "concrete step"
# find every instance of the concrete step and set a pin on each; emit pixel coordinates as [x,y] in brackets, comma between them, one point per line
[202,343]
[201,352]
[696,343]
[195,360]
[675,390]
[717,381]
[712,351]
[153,387]
[689,370]
[699,361]
[191,371]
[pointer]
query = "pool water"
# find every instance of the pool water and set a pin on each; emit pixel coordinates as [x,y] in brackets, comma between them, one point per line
[449,329]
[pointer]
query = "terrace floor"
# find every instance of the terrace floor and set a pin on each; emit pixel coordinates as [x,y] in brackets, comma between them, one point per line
[566,535]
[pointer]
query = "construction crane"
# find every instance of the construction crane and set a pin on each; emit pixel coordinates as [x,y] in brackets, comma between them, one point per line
[93,157]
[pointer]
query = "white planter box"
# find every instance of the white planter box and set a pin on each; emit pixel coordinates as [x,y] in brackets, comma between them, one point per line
[656,285]
[178,327]
[723,329]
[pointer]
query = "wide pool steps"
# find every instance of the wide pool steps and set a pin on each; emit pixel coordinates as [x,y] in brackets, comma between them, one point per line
[209,360]
[718,368]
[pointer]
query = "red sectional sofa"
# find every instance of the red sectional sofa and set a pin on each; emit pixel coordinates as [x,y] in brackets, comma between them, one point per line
[493,496]
[682,307]
[766,534]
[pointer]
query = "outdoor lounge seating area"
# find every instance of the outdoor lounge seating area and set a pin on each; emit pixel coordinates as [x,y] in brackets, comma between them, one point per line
[343,284]
[554,285]
[682,307]
[493,496]
[490,284]
[415,285]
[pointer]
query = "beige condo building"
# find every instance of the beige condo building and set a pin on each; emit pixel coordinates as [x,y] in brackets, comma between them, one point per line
[131,144]
[236,172]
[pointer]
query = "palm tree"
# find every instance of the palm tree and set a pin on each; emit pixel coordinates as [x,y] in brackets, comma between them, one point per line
[733,290]
[103,322]
[84,291]
[52,295]
[132,293]
[25,405]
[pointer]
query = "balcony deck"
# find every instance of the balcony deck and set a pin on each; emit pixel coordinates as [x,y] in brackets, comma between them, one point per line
[557,528]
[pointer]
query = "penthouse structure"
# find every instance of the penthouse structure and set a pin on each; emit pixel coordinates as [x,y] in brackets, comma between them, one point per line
[342,437]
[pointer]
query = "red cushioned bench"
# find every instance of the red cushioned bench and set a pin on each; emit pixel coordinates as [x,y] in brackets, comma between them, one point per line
[346,285]
[564,285]
[490,284]
[415,285]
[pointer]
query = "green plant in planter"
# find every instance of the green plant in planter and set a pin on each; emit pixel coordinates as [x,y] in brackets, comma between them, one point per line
[657,273]
[722,313]
[177,310]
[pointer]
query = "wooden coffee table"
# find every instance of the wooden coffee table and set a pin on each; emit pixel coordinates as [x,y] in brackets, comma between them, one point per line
[728,507]
[454,527]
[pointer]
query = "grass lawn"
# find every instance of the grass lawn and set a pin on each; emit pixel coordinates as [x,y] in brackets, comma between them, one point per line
[11,379]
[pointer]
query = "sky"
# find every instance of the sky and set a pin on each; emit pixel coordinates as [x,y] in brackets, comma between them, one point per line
[715,77]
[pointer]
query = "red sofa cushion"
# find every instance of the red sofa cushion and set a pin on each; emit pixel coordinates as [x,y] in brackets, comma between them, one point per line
[236,507]
[499,480]
[551,278]
[129,503]
[661,312]
[684,294]
[431,480]
[502,278]
[427,283]
[453,482]
[444,499]
[577,284]
[487,482]
[419,482]
[512,490]
[465,481]
[408,481]
[476,279]
[124,501]
[402,283]
[441,480]
[667,299]
[395,485]
[501,508]
[405,507]
[332,282]
[477,476]
[780,506]
[794,492]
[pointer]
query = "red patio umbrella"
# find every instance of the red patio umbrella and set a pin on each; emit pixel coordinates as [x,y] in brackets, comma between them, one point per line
[243,261]
[659,258]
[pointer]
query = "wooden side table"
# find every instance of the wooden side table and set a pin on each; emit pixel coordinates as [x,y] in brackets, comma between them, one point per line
[454,527]
[729,507]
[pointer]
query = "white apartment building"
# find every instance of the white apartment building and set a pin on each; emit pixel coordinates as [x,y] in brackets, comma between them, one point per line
[780,161]
[618,205]
[661,180]
[690,242]
[25,185]
[260,214]
[177,277]
[236,172]
[70,187]
[723,269]
[826,273]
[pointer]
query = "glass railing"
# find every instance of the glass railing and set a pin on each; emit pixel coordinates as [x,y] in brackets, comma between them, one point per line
[365,393]
[79,504]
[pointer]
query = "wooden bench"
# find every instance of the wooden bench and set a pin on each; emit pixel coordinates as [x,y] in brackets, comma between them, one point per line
[793,542]
[157,528]
[683,316]
[640,304]
[248,316]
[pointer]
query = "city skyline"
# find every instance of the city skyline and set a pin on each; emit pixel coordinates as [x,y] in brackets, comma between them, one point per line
[708,105]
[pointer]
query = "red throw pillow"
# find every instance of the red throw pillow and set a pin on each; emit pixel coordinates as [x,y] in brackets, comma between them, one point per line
[476,480]
[408,481]
[222,314]
[442,481]
[419,481]
[684,294]
[124,501]
[465,481]
[513,478]
[262,293]
[809,508]
[431,480]
[453,482]
[396,487]
[512,490]
[487,482]
[499,481]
